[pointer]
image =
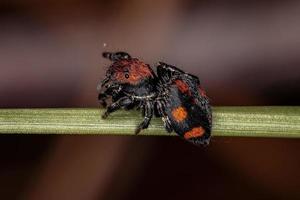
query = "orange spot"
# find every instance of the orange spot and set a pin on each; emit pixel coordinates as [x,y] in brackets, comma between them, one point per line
[179,114]
[182,86]
[195,132]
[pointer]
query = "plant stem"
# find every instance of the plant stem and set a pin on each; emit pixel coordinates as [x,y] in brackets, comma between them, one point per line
[227,121]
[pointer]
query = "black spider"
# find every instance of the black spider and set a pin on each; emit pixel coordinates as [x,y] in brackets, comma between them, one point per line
[172,94]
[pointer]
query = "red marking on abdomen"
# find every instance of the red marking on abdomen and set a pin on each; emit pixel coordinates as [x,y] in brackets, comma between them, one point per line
[195,132]
[182,86]
[179,114]
[202,91]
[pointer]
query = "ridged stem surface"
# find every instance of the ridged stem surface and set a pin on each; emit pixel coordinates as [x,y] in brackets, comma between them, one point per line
[227,121]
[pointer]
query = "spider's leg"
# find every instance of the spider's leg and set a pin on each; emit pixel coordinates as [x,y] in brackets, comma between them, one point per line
[121,103]
[148,113]
[102,99]
[110,91]
[160,108]
[167,124]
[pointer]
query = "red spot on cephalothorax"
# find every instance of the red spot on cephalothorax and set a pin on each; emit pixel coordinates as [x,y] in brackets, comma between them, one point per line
[182,86]
[195,132]
[179,113]
[136,69]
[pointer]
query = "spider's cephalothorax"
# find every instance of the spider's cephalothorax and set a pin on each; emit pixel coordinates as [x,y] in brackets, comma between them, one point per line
[130,83]
[172,94]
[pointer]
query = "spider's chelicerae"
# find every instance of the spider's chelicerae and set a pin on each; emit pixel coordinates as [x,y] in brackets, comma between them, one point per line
[171,94]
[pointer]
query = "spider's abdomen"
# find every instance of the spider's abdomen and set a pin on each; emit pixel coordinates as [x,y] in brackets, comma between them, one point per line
[189,112]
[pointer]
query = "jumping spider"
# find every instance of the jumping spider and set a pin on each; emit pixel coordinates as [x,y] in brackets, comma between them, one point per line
[171,94]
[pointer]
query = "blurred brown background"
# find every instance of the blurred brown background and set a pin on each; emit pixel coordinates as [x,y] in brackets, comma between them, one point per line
[245,53]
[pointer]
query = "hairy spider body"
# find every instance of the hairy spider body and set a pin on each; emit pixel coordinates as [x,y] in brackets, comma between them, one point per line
[172,94]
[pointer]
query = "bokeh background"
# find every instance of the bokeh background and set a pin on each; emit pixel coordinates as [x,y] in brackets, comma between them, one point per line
[245,53]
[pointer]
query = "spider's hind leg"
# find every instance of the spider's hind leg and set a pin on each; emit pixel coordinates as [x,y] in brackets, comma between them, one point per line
[160,107]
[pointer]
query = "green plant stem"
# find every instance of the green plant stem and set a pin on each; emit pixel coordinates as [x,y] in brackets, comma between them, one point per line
[227,121]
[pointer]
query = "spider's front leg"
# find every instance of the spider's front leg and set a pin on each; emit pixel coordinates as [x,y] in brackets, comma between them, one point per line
[148,113]
[102,99]
[121,103]
[110,91]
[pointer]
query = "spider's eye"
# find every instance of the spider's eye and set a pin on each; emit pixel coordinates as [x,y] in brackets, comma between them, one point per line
[127,75]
